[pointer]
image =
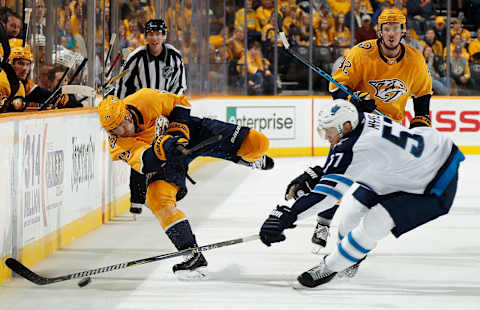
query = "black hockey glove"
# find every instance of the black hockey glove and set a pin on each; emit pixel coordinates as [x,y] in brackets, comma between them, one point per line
[365,104]
[272,229]
[420,121]
[304,183]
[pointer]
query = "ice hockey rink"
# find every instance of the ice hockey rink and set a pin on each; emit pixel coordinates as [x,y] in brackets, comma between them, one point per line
[434,267]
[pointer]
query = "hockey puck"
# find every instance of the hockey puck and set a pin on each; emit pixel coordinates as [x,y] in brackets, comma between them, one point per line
[84,282]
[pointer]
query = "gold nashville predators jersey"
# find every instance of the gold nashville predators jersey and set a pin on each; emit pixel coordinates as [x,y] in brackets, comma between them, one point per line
[390,82]
[5,91]
[146,105]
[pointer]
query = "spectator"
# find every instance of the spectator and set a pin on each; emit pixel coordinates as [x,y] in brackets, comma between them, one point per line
[323,35]
[135,34]
[460,71]
[357,15]
[302,36]
[440,29]
[366,31]
[456,42]
[122,37]
[264,12]
[260,78]
[420,15]
[366,7]
[475,68]
[253,24]
[235,44]
[434,64]
[14,25]
[291,21]
[431,40]
[322,13]
[464,33]
[412,41]
[339,6]
[474,46]
[340,35]
[383,6]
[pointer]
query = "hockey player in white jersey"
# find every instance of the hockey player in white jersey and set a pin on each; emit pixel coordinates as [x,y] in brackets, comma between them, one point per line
[407,177]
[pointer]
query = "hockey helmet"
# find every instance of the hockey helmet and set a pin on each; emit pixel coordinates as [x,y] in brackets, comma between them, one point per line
[20,52]
[156,25]
[392,15]
[337,113]
[112,111]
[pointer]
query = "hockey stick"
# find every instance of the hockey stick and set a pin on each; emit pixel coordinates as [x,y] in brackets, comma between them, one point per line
[113,65]
[79,69]
[110,48]
[200,145]
[316,69]
[26,24]
[31,276]
[115,78]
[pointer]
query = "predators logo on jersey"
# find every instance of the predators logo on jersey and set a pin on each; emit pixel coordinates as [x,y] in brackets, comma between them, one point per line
[389,90]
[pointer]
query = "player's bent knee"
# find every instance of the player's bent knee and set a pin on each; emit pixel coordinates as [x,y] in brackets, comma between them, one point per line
[161,197]
[254,146]
[378,223]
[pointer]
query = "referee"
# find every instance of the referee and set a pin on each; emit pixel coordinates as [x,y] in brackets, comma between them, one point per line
[155,65]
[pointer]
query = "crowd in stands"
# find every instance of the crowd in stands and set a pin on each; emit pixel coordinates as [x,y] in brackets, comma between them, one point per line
[243,45]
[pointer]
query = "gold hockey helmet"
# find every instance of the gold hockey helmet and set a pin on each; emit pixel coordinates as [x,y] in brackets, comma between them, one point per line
[112,111]
[393,15]
[20,52]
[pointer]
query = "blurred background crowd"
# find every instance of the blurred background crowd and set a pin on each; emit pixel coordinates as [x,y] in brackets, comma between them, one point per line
[232,46]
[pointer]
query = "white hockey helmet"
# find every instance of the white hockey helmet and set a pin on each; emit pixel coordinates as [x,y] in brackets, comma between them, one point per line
[337,113]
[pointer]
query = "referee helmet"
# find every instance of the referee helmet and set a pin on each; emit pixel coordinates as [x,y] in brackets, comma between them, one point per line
[156,25]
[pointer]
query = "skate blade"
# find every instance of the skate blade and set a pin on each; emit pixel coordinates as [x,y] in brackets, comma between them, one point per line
[317,249]
[189,275]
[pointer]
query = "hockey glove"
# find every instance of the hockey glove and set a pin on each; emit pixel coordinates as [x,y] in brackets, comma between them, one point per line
[365,104]
[304,183]
[179,130]
[165,147]
[272,229]
[420,121]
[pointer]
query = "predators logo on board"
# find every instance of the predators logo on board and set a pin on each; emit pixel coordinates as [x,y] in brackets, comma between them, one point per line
[389,90]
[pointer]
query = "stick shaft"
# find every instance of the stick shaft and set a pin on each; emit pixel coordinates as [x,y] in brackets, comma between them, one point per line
[28,274]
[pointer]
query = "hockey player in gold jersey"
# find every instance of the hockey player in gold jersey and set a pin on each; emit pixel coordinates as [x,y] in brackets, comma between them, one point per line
[147,129]
[384,73]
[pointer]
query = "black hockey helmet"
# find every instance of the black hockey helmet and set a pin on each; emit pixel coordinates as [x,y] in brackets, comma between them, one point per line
[156,25]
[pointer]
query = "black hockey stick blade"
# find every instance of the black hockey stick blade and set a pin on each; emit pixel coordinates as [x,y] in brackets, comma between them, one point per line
[33,277]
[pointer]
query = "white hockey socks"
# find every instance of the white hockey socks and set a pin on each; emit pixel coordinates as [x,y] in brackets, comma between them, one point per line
[375,226]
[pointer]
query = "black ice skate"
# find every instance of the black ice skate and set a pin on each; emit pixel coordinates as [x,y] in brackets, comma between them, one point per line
[193,267]
[316,276]
[263,163]
[136,208]
[319,238]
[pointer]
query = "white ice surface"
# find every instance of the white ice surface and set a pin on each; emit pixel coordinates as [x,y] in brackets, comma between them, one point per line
[435,267]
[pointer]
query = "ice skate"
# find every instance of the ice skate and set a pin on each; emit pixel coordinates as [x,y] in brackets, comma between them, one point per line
[136,208]
[192,268]
[316,276]
[319,238]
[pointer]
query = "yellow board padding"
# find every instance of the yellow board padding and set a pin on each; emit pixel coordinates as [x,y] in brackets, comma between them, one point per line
[44,247]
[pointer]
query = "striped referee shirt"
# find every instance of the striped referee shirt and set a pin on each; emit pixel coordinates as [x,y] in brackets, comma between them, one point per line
[163,72]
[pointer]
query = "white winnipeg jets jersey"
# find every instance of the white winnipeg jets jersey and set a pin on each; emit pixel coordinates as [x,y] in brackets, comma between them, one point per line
[388,157]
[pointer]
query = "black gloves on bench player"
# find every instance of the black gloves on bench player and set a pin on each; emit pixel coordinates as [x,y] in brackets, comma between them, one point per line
[365,104]
[304,183]
[272,229]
